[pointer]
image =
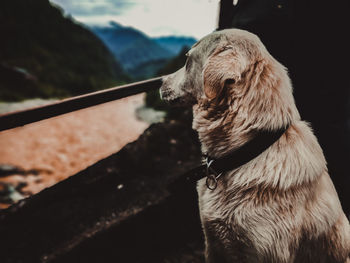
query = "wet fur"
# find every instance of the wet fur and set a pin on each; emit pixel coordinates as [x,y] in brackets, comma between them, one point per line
[281,206]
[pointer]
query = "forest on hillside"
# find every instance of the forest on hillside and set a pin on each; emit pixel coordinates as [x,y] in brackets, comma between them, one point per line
[46,54]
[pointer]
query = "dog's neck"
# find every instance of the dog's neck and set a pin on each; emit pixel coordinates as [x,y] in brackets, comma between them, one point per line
[226,124]
[237,115]
[221,132]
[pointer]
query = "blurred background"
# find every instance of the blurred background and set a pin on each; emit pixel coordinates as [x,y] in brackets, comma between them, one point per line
[56,49]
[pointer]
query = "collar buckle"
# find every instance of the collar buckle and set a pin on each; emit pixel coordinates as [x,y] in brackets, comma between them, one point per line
[212,175]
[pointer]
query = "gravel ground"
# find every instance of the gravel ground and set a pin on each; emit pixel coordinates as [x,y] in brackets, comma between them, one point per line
[59,147]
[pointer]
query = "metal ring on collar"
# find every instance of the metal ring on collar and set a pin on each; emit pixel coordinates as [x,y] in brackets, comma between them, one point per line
[212,176]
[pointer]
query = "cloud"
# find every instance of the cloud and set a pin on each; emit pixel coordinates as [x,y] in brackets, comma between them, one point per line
[154,17]
[94,7]
[181,17]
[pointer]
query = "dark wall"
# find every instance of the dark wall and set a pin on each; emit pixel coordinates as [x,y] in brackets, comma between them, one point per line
[310,39]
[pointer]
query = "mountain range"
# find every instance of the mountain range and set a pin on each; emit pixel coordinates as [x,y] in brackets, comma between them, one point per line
[175,44]
[140,55]
[45,53]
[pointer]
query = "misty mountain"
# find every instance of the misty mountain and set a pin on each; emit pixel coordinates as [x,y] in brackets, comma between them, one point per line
[60,57]
[175,43]
[175,63]
[140,55]
[148,69]
[130,46]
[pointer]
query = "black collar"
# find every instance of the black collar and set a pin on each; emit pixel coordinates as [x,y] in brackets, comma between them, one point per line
[214,168]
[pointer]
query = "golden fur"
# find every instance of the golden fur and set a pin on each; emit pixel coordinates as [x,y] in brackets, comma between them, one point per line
[281,206]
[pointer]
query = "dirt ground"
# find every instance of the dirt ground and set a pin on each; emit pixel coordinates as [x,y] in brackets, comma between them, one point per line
[60,147]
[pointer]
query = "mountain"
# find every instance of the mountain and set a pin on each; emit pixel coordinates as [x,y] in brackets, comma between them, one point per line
[161,67]
[130,46]
[175,43]
[175,64]
[46,54]
[141,56]
[148,69]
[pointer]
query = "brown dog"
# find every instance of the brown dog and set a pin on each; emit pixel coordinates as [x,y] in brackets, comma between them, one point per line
[280,206]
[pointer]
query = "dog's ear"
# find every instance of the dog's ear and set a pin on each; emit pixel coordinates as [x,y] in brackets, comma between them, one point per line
[222,69]
[256,73]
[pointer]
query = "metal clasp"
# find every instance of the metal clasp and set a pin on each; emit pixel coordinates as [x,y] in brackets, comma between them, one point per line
[212,176]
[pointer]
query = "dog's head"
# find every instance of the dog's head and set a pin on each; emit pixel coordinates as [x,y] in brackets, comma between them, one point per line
[235,87]
[219,62]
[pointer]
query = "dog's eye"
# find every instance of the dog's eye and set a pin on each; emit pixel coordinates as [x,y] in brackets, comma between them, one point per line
[225,48]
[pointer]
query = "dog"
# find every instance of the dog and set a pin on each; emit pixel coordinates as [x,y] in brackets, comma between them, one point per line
[281,206]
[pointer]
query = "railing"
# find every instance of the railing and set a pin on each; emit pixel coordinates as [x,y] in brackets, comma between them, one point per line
[19,118]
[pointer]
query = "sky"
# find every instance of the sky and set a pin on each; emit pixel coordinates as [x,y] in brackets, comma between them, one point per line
[154,17]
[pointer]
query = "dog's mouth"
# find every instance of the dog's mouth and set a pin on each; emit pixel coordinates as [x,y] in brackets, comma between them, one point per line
[177,101]
[169,96]
[171,100]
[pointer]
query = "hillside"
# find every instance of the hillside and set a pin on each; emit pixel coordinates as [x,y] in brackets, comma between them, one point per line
[175,63]
[148,69]
[130,46]
[45,54]
[141,55]
[175,43]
